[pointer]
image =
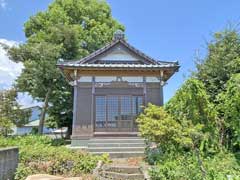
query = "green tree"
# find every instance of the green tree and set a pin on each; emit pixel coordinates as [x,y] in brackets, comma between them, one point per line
[68,29]
[215,71]
[40,73]
[11,112]
[191,106]
[172,137]
[222,60]
[229,106]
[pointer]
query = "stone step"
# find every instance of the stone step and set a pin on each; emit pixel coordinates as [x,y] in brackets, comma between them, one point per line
[121,154]
[115,149]
[117,176]
[116,144]
[116,134]
[117,140]
[122,169]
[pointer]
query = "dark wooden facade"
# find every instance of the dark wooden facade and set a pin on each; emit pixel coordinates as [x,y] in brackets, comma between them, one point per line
[111,86]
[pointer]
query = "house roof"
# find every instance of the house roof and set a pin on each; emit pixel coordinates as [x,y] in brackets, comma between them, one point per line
[87,59]
[34,123]
[152,66]
[117,57]
[30,106]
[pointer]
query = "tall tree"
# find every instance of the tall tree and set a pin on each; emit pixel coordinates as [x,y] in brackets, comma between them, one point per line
[229,107]
[11,112]
[215,71]
[191,105]
[222,60]
[68,29]
[40,72]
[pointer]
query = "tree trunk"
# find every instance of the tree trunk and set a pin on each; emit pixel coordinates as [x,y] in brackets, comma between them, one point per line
[5,132]
[43,112]
[69,131]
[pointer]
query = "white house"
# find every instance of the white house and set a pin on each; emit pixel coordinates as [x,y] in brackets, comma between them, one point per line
[33,122]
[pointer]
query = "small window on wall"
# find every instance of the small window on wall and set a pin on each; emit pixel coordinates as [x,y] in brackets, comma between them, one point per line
[85,79]
[132,78]
[118,78]
[105,78]
[152,79]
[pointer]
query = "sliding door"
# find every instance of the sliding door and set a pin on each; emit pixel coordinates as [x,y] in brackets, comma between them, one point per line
[117,113]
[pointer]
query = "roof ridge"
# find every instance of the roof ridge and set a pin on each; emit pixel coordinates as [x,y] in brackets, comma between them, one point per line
[137,51]
[97,52]
[113,43]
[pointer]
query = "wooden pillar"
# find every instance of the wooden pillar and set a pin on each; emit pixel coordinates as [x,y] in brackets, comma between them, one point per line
[145,90]
[82,124]
[75,101]
[92,105]
[161,88]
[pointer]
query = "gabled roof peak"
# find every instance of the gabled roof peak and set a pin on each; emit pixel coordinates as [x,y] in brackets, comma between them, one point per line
[118,40]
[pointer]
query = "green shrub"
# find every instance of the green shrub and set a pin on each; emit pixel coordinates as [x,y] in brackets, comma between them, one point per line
[185,167]
[23,171]
[184,150]
[156,125]
[58,142]
[41,154]
[34,131]
[153,155]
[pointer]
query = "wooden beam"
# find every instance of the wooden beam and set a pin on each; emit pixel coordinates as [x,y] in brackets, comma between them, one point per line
[117,73]
[166,73]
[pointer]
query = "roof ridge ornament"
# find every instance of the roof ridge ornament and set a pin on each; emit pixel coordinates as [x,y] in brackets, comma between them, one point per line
[118,35]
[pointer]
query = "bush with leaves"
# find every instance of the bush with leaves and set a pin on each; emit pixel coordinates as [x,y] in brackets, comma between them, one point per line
[40,154]
[10,112]
[186,135]
[201,120]
[191,106]
[221,62]
[215,71]
[156,125]
[185,167]
[229,107]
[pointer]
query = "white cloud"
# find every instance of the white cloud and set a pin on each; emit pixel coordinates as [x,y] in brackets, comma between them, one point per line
[3,4]
[9,71]
[27,101]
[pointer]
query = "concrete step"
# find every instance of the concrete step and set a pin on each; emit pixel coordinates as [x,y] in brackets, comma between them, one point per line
[115,149]
[121,154]
[117,140]
[116,145]
[117,176]
[115,134]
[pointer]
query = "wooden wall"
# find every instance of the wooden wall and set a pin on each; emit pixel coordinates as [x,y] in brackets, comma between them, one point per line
[83,126]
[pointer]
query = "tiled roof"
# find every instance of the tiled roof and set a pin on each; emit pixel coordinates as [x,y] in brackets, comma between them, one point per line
[160,65]
[88,58]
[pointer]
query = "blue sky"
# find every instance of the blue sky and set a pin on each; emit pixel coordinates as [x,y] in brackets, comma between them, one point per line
[163,29]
